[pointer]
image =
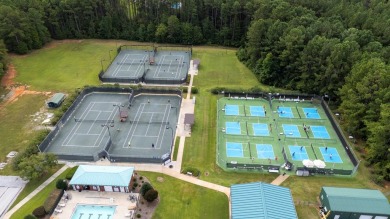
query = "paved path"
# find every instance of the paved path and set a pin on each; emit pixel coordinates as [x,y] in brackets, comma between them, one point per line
[280,179]
[32,194]
[158,168]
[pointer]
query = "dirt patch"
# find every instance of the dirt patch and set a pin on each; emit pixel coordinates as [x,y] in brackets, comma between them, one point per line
[8,79]
[15,90]
[160,179]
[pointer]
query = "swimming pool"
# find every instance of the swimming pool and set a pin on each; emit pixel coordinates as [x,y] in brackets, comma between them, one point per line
[94,212]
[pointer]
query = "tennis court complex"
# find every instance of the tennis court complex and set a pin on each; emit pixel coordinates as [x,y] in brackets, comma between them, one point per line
[256,133]
[153,65]
[119,126]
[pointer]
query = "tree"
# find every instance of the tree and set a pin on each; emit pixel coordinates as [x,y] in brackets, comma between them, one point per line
[173,29]
[145,187]
[36,165]
[30,216]
[161,32]
[39,212]
[379,142]
[151,195]
[365,89]
[61,184]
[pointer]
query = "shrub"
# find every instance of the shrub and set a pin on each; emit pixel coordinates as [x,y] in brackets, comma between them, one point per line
[195,172]
[71,172]
[141,177]
[138,215]
[194,90]
[39,212]
[52,200]
[30,216]
[135,185]
[151,195]
[184,89]
[145,187]
[61,184]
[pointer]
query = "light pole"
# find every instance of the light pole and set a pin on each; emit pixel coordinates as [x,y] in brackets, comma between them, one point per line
[119,108]
[108,129]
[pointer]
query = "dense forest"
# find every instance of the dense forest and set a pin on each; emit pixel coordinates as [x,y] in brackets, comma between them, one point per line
[327,47]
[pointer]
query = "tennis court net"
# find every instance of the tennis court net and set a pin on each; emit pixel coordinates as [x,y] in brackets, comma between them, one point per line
[140,63]
[105,121]
[149,122]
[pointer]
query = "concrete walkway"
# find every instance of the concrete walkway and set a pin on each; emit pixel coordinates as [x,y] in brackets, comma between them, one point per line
[36,191]
[280,179]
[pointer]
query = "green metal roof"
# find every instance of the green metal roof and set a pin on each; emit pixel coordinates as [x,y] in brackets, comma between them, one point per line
[357,200]
[102,175]
[261,201]
[57,98]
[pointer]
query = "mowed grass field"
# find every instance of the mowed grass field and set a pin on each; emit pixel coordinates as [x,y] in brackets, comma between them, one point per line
[65,66]
[180,199]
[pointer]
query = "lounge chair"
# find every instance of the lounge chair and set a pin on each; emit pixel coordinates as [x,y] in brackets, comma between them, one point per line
[58,210]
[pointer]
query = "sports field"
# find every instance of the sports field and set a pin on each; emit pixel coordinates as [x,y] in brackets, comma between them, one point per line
[254,134]
[106,124]
[149,66]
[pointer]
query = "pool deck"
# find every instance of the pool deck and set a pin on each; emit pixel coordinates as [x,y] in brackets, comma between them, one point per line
[123,205]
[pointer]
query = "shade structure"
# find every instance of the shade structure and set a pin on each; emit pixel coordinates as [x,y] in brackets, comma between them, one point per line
[308,163]
[319,163]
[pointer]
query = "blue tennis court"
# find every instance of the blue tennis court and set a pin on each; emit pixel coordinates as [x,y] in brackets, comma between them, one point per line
[285,112]
[257,111]
[291,131]
[234,149]
[260,129]
[265,151]
[298,152]
[330,155]
[320,132]
[232,110]
[311,113]
[233,128]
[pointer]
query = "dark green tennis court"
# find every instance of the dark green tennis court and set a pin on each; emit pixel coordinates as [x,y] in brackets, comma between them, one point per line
[254,133]
[123,127]
[155,65]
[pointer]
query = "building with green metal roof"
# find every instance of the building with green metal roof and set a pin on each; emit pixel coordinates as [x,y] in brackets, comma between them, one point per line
[56,100]
[347,203]
[103,178]
[261,201]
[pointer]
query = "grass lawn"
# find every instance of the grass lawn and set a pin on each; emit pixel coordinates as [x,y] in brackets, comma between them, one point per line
[64,66]
[16,127]
[32,185]
[38,199]
[177,142]
[179,199]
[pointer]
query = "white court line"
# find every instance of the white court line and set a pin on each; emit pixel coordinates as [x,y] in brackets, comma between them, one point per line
[127,140]
[138,115]
[178,68]
[83,116]
[76,126]
[105,130]
[148,136]
[103,111]
[93,123]
[128,70]
[147,129]
[85,134]
[119,66]
[164,126]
